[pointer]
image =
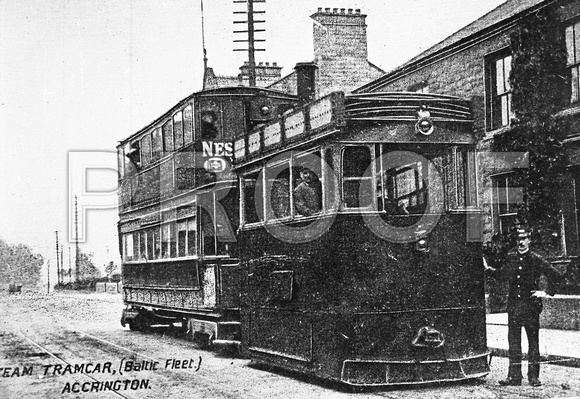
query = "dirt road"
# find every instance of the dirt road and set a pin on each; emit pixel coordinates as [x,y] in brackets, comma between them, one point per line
[72,345]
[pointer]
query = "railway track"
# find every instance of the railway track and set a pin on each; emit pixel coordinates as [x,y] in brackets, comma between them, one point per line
[66,363]
[128,370]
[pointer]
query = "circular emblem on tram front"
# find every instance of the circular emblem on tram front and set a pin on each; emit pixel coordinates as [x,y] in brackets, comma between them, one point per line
[424,123]
[215,165]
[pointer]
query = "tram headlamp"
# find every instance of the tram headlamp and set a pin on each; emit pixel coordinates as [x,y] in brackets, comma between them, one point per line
[424,126]
[422,245]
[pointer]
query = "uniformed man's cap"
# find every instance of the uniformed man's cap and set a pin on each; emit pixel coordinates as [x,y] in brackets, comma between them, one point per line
[523,233]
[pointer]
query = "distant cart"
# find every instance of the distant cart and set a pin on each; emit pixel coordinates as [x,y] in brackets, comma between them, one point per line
[13,288]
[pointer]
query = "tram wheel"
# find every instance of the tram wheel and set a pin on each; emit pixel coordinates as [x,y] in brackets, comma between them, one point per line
[141,323]
[133,326]
[202,339]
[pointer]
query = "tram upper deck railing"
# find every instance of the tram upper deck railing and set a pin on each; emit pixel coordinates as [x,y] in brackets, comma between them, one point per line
[329,114]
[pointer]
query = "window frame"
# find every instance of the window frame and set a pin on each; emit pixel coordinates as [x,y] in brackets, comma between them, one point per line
[492,97]
[371,178]
[177,125]
[265,214]
[573,59]
[498,216]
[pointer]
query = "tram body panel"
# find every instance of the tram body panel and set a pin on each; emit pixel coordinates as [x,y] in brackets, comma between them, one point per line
[320,306]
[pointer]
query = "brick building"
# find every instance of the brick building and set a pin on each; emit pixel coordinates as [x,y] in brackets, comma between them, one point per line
[266,75]
[475,63]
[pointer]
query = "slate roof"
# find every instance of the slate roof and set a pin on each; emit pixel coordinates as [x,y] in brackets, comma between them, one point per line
[503,12]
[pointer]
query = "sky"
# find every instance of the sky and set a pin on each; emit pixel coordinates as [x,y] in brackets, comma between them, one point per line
[77,76]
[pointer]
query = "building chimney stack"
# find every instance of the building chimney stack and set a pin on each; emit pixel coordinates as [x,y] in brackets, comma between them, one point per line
[305,82]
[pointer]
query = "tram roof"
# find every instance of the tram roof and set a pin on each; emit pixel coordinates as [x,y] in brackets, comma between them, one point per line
[231,91]
[330,114]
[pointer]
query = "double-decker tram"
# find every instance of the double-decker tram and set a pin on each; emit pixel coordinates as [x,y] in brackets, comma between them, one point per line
[337,237]
[358,240]
[178,202]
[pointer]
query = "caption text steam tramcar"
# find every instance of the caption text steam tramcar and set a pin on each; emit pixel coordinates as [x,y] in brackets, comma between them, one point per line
[379,282]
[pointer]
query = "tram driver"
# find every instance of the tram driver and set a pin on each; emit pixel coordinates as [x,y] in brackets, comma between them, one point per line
[308,194]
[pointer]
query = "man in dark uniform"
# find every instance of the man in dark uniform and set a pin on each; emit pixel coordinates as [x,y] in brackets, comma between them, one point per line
[523,269]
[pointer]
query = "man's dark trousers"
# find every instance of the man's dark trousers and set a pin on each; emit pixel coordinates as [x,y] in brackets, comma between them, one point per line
[524,313]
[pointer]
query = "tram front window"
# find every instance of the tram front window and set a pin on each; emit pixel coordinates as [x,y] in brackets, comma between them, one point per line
[405,190]
[408,178]
[357,187]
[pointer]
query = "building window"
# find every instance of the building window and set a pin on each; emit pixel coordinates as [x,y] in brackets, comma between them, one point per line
[499,91]
[506,197]
[573,62]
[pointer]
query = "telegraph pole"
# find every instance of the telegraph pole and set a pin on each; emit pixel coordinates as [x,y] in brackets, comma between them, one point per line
[69,266]
[250,21]
[77,250]
[57,256]
[48,276]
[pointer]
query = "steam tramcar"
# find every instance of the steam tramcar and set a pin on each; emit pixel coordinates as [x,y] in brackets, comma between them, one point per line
[381,284]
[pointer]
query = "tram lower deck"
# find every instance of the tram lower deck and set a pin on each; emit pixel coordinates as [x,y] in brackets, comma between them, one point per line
[363,311]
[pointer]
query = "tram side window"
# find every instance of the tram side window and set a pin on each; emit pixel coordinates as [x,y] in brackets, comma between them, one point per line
[135,240]
[146,150]
[133,157]
[278,190]
[191,236]
[156,144]
[168,242]
[150,244]
[188,124]
[307,182]
[181,238]
[465,194]
[357,185]
[128,246]
[329,191]
[142,245]
[251,202]
[167,136]
[120,163]
[178,129]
